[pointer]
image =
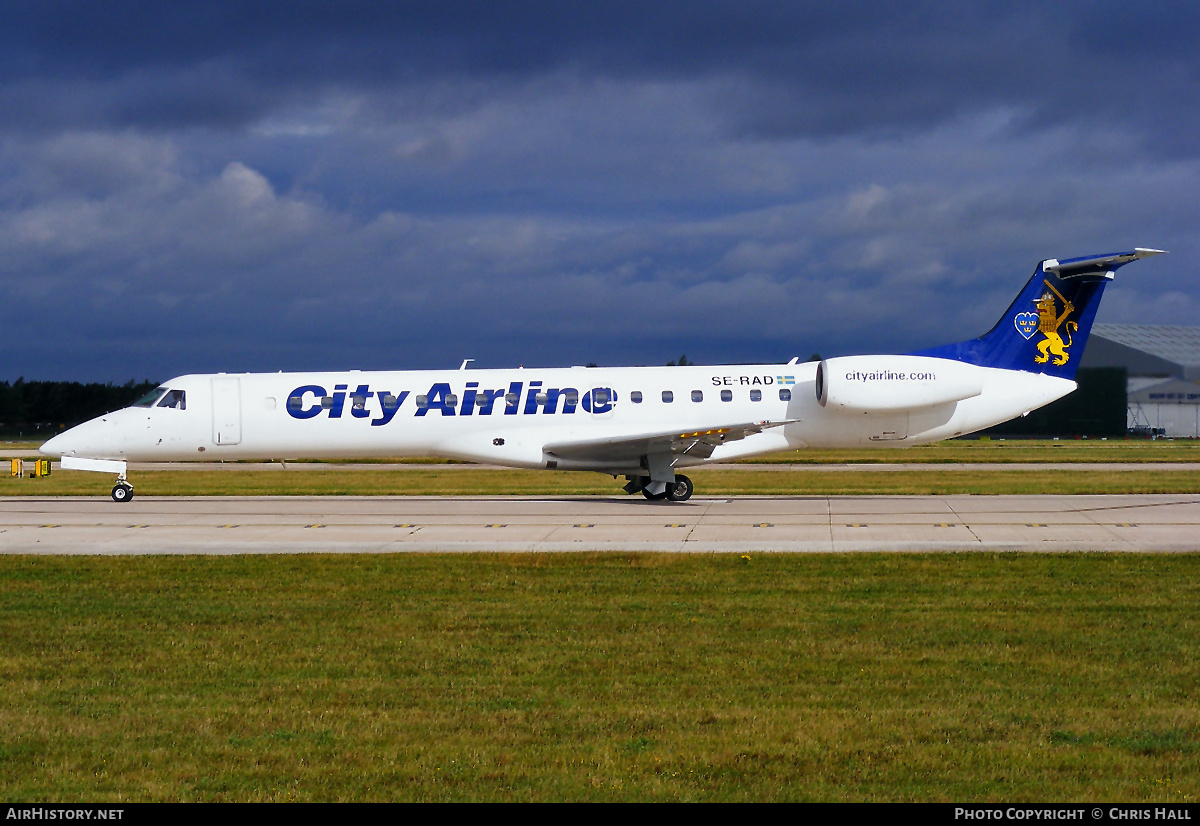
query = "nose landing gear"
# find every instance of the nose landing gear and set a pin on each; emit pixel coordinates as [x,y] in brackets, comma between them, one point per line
[122,491]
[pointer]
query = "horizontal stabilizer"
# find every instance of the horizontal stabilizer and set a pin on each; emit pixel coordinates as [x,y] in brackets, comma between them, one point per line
[1094,265]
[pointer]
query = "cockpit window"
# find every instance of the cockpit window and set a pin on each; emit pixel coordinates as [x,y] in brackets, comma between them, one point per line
[150,398]
[175,399]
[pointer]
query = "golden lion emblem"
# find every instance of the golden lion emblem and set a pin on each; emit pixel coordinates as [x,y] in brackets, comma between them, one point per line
[1049,323]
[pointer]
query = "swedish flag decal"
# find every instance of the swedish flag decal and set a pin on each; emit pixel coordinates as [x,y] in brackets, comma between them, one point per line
[785,380]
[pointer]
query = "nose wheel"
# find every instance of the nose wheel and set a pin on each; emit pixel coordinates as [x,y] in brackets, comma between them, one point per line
[122,491]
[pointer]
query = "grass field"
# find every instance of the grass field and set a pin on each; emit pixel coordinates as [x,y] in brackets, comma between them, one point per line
[440,477]
[954,450]
[994,450]
[601,677]
[609,677]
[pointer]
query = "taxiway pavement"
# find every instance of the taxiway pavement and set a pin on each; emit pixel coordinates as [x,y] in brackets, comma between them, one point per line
[306,524]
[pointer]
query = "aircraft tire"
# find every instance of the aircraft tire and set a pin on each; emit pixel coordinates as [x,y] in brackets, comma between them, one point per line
[122,493]
[680,490]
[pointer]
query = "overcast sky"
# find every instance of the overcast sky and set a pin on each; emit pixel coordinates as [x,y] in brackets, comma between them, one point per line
[201,187]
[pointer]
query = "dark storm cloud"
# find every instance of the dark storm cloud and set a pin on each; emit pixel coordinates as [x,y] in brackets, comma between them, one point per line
[309,185]
[791,69]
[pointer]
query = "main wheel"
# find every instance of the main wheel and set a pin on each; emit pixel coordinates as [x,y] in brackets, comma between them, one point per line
[680,490]
[122,492]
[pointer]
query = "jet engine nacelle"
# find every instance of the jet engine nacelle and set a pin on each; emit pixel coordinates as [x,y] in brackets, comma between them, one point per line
[870,384]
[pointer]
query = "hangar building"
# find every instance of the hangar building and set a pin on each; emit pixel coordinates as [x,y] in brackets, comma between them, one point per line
[1163,369]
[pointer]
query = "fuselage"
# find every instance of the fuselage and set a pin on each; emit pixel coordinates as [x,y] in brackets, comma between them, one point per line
[515,417]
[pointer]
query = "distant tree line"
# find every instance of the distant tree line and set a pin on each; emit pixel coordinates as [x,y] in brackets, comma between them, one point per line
[38,409]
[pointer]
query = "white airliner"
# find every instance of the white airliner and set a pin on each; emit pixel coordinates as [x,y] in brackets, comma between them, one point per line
[643,423]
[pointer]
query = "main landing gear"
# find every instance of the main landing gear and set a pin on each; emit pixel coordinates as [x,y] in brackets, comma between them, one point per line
[678,491]
[122,491]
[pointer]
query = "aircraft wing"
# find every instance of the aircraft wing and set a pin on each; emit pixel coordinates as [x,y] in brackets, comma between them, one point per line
[697,443]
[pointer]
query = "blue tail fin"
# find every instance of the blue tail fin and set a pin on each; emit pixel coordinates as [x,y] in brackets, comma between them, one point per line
[1045,329]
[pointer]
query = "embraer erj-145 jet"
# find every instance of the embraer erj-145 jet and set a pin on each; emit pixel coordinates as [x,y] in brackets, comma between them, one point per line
[643,423]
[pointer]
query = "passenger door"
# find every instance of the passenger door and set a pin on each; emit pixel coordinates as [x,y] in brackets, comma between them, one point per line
[227,410]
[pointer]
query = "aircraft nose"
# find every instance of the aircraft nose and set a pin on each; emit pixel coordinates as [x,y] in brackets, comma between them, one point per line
[79,439]
[106,437]
[51,447]
[56,446]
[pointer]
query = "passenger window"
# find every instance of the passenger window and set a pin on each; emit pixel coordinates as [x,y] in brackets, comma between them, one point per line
[175,399]
[572,398]
[726,395]
[756,395]
[636,396]
[785,395]
[697,395]
[668,397]
[450,400]
[600,396]
[422,402]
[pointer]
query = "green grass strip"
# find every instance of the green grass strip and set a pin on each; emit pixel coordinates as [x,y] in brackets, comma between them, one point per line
[606,677]
[954,450]
[988,450]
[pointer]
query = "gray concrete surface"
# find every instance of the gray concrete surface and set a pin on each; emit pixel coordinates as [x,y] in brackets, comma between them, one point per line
[226,525]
